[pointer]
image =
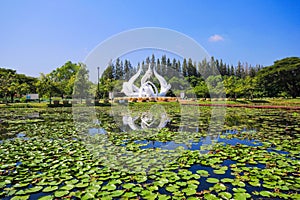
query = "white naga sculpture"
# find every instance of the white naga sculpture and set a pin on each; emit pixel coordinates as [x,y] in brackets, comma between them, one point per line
[147,89]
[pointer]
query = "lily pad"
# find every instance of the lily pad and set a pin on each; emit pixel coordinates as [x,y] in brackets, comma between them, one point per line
[212,180]
[255,184]
[128,185]
[265,193]
[189,191]
[117,193]
[67,187]
[202,172]
[33,189]
[48,197]
[241,196]
[225,195]
[50,188]
[216,171]
[129,194]
[61,193]
[81,185]
[172,188]
[227,180]
[25,197]
[210,197]
[87,196]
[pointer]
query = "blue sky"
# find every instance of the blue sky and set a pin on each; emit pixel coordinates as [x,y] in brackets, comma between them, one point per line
[39,36]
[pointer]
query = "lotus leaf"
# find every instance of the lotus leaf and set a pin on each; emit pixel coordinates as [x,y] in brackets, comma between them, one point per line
[50,189]
[212,180]
[61,193]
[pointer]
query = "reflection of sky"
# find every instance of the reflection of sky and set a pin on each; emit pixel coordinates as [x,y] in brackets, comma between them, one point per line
[204,141]
[95,131]
[162,145]
[96,121]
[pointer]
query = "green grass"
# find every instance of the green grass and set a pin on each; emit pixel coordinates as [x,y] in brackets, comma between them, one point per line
[263,101]
[24,105]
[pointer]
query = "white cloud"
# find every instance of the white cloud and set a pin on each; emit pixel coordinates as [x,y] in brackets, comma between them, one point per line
[215,38]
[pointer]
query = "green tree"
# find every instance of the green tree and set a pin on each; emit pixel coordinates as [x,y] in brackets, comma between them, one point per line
[184,68]
[46,87]
[215,86]
[64,77]
[152,59]
[233,86]
[127,70]
[191,69]
[249,86]
[7,82]
[119,69]
[82,84]
[282,76]
[13,84]
[201,89]
[239,72]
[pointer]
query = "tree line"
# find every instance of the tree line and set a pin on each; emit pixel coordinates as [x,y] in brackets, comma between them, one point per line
[60,82]
[209,77]
[203,78]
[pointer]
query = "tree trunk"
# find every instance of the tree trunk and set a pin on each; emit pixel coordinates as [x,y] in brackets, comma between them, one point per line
[12,98]
[50,98]
[5,99]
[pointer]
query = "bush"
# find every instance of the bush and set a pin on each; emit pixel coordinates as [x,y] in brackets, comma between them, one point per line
[23,100]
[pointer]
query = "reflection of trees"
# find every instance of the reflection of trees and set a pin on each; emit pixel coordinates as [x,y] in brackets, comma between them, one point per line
[82,83]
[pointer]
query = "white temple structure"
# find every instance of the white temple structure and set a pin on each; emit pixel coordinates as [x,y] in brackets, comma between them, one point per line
[147,89]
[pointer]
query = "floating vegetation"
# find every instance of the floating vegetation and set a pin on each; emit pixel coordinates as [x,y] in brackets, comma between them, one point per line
[255,155]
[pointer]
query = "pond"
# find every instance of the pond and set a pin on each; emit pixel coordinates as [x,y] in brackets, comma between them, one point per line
[149,151]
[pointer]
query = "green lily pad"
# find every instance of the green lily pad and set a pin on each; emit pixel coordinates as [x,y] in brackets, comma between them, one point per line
[192,198]
[61,193]
[265,193]
[216,171]
[71,182]
[67,187]
[227,180]
[153,188]
[172,188]
[239,183]
[239,190]
[128,185]
[212,180]
[33,189]
[109,187]
[117,193]
[19,185]
[81,185]
[225,195]
[50,188]
[255,184]
[87,196]
[241,196]
[2,184]
[189,191]
[210,197]
[181,183]
[25,197]
[202,172]
[129,194]
[48,197]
